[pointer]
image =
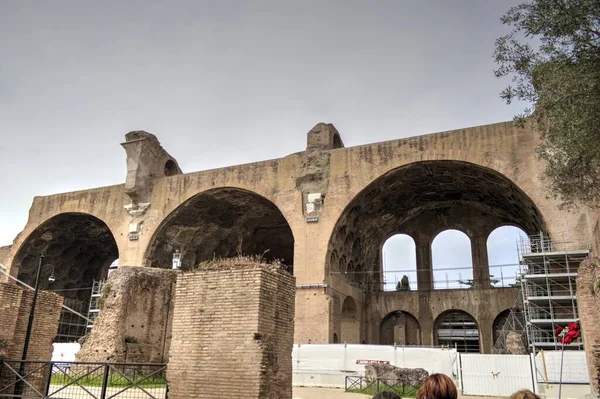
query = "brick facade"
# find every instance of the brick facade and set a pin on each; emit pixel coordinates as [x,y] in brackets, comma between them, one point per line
[232,334]
[588,301]
[15,306]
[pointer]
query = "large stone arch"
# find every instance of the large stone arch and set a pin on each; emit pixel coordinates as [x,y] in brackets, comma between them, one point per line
[222,222]
[457,328]
[400,328]
[434,194]
[78,248]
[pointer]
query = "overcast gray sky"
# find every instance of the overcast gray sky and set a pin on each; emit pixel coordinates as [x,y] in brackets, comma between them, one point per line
[228,82]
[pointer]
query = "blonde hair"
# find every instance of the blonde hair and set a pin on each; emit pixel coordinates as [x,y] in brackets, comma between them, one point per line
[438,386]
[524,394]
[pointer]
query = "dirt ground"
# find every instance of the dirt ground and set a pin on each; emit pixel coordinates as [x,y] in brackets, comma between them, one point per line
[325,393]
[329,393]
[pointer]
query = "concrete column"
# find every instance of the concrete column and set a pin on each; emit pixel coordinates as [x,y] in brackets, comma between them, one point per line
[424,268]
[481,267]
[425,318]
[400,330]
[486,344]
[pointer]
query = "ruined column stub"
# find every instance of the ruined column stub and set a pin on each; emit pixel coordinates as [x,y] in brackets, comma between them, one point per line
[324,136]
[146,160]
[232,333]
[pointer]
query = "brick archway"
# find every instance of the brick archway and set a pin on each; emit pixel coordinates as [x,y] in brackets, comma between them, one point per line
[219,223]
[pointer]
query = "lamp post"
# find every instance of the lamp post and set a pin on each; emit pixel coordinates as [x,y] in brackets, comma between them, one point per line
[19,385]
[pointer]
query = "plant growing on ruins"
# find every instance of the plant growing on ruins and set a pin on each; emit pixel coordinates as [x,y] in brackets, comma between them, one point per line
[130,340]
[552,54]
[224,263]
[470,282]
[403,284]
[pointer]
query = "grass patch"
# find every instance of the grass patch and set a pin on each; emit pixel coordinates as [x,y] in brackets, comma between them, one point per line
[114,380]
[404,392]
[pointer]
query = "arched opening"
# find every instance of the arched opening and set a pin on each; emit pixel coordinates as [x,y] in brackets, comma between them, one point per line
[171,168]
[457,329]
[499,323]
[399,328]
[336,340]
[503,255]
[452,261]
[399,254]
[337,141]
[78,250]
[507,322]
[350,326]
[421,199]
[222,223]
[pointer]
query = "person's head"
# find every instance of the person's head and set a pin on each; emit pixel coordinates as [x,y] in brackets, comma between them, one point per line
[438,386]
[387,395]
[524,394]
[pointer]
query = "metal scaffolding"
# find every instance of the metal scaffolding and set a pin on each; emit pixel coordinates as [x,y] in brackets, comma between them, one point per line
[514,322]
[548,273]
[94,308]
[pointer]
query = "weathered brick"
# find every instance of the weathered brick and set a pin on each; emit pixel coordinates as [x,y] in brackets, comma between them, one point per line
[232,334]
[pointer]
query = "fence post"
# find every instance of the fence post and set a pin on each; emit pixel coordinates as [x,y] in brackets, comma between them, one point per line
[49,378]
[104,381]
[377,385]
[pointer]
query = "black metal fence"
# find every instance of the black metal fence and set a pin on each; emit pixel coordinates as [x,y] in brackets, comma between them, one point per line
[372,386]
[60,380]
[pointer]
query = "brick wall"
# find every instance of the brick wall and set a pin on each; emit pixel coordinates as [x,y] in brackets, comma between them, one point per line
[15,307]
[588,302]
[232,334]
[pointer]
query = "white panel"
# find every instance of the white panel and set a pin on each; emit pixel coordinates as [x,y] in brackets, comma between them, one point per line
[495,375]
[323,365]
[574,367]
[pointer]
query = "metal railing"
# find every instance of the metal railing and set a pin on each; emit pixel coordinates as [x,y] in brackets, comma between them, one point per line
[542,243]
[45,379]
[372,386]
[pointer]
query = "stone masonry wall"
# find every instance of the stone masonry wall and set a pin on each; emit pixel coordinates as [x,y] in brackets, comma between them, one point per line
[588,302]
[15,307]
[233,333]
[134,323]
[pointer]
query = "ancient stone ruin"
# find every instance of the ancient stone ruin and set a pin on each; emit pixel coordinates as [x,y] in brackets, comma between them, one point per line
[325,212]
[134,324]
[414,378]
[225,328]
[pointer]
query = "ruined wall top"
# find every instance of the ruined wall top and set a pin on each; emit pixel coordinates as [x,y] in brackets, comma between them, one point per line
[146,160]
[324,136]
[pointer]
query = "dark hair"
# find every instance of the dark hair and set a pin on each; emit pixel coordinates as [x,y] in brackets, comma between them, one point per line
[387,395]
[438,386]
[524,394]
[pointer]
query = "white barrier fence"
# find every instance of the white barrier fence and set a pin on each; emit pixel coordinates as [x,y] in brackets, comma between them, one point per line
[475,374]
[328,365]
[575,369]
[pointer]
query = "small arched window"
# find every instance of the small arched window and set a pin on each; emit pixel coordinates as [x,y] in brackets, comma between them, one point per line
[503,256]
[399,254]
[452,261]
[170,168]
[337,141]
